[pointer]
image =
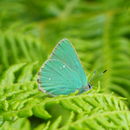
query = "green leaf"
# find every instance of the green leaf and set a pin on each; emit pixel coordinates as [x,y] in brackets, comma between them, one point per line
[16,48]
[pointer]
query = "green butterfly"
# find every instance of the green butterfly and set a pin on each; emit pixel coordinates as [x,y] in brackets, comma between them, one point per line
[62,73]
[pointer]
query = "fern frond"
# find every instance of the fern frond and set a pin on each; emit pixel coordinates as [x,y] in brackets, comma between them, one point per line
[20,124]
[16,48]
[103,121]
[20,98]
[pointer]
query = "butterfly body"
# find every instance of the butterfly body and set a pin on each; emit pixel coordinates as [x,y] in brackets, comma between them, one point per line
[62,73]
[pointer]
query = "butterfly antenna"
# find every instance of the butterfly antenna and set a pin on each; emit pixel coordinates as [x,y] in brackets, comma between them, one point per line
[95,75]
[103,72]
[92,77]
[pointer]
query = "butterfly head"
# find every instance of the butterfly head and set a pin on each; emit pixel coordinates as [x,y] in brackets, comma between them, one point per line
[88,87]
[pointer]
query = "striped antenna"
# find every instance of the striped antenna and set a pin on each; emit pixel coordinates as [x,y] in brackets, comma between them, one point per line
[95,75]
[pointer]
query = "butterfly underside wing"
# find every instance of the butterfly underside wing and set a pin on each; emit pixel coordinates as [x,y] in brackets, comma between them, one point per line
[62,73]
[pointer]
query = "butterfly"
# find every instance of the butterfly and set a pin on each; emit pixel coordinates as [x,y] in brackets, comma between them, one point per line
[62,73]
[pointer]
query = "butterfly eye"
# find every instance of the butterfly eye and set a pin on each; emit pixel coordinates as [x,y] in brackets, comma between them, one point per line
[89,86]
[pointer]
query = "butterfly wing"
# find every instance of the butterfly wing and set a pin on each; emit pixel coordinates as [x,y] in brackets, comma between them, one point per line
[62,73]
[67,54]
[57,78]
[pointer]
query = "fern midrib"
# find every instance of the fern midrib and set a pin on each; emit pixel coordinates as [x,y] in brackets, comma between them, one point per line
[82,96]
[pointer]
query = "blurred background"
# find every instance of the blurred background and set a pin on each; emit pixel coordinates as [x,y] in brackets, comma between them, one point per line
[98,29]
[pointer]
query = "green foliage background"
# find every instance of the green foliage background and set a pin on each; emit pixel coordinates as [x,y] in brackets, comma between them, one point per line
[100,32]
